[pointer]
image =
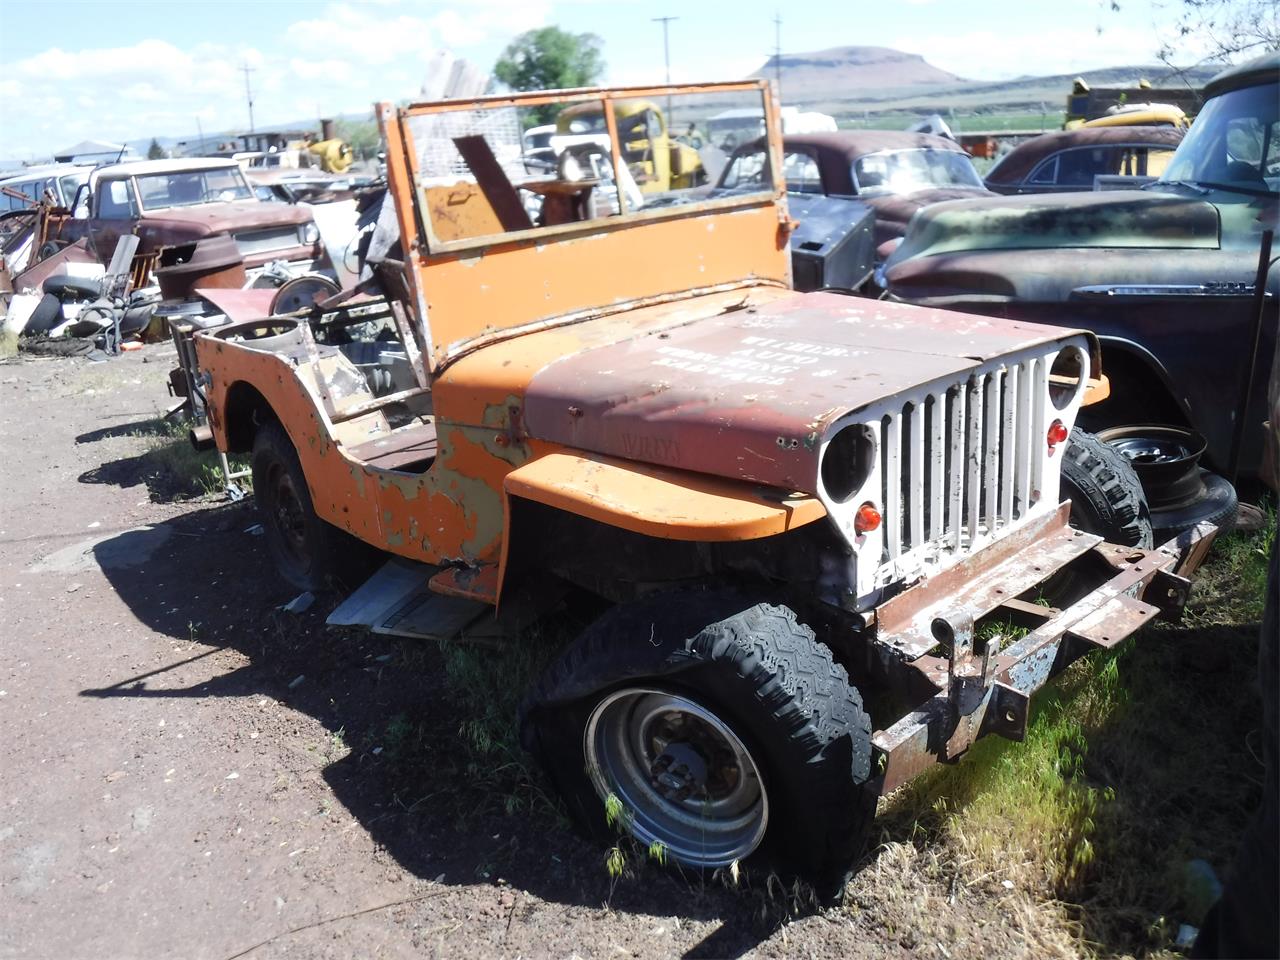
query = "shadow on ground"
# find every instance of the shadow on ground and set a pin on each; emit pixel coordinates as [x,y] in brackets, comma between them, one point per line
[412,777]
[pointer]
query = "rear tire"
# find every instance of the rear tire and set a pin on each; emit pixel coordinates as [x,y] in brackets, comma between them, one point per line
[1217,505]
[733,678]
[308,552]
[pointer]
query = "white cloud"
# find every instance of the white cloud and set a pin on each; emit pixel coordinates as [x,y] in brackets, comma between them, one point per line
[1065,49]
[339,60]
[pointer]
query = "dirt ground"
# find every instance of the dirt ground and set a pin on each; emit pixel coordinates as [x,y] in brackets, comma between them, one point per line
[189,771]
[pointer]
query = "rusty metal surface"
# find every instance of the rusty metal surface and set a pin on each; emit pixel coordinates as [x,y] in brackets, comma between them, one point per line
[1022,159]
[978,694]
[747,393]
[472,292]
[981,582]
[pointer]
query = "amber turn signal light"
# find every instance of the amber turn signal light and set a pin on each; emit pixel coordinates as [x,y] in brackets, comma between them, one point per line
[866,519]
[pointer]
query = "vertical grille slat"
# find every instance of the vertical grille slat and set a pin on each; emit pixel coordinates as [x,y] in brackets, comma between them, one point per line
[1039,427]
[915,475]
[1008,443]
[955,458]
[1022,455]
[991,450]
[973,457]
[892,431]
[937,463]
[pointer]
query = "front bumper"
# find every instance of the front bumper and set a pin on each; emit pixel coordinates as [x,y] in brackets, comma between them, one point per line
[929,631]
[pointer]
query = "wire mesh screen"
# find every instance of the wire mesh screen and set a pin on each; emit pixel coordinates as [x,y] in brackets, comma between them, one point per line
[438,156]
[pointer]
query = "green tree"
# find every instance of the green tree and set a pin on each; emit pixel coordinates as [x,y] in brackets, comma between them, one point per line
[155,151]
[362,136]
[550,58]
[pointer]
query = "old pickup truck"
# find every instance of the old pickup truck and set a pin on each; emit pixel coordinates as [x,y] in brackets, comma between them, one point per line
[829,530]
[178,201]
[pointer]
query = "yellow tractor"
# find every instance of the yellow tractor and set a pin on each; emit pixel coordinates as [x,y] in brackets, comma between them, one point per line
[656,161]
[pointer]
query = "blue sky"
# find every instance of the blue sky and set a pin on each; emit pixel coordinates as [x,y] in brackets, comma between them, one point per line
[125,70]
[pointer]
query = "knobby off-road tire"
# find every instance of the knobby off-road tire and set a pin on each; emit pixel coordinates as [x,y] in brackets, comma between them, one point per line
[308,552]
[729,675]
[1106,495]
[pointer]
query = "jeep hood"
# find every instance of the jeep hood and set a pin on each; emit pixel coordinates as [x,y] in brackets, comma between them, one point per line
[749,392]
[1128,218]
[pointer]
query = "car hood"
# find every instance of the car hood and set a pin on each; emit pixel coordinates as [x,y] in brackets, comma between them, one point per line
[1128,218]
[232,217]
[894,211]
[748,393]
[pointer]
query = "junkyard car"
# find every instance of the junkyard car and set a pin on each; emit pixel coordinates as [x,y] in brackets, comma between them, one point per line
[1165,275]
[792,501]
[58,181]
[1071,160]
[894,172]
[168,202]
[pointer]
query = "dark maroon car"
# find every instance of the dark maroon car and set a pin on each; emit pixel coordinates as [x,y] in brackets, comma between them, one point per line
[894,172]
[1072,160]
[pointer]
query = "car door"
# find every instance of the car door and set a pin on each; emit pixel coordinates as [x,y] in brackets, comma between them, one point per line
[115,213]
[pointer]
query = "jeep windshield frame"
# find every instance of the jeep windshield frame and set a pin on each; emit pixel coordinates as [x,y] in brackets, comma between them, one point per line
[469,291]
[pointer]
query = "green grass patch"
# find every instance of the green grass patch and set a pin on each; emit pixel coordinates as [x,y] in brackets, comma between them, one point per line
[488,685]
[174,469]
[1136,761]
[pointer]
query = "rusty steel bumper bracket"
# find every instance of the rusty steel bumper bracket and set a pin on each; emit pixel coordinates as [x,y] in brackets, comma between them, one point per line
[977,693]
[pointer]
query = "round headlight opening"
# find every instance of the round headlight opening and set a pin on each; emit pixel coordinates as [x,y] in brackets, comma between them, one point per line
[847,461]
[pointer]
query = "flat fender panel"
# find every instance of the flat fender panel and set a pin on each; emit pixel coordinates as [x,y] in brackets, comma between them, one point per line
[658,501]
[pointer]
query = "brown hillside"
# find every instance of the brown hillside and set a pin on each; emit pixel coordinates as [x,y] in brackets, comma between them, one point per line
[852,68]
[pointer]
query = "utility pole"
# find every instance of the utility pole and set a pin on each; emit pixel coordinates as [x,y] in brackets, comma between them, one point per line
[666,56]
[777,53]
[248,92]
[666,47]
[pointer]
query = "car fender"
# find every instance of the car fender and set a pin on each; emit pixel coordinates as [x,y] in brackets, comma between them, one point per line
[660,501]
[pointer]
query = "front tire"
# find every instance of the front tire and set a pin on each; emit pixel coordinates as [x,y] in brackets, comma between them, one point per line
[722,726]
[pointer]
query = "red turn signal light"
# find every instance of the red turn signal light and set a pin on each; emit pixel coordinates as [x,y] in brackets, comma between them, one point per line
[866,519]
[1058,433]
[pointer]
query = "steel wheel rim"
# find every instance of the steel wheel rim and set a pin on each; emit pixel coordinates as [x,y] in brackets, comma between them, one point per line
[1153,450]
[289,517]
[685,779]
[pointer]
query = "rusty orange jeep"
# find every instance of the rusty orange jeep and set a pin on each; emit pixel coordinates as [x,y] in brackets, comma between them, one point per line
[831,531]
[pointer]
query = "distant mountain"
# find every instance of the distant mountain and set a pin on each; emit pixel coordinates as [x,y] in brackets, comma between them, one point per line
[846,80]
[822,72]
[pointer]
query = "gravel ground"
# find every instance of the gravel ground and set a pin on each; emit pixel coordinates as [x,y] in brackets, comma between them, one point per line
[190,772]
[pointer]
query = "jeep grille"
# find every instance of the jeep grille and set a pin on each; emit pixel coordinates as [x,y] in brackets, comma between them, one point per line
[959,463]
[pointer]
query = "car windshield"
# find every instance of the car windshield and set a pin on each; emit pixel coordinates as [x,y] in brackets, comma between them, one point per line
[186,188]
[1233,143]
[906,171]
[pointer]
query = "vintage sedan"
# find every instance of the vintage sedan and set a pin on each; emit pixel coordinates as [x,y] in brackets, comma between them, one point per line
[1084,159]
[894,172]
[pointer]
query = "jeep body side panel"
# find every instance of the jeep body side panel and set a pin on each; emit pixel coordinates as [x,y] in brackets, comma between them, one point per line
[452,512]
